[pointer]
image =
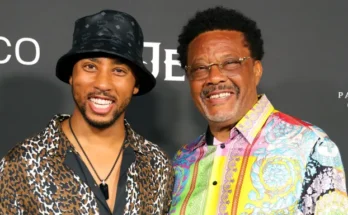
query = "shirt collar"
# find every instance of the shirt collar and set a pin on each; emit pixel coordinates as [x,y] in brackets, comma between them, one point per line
[60,144]
[249,126]
[212,141]
[137,142]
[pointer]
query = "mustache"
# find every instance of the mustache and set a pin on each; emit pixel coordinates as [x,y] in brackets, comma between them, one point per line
[99,92]
[209,89]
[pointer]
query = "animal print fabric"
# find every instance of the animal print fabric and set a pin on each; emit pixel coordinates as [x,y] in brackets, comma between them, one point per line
[34,179]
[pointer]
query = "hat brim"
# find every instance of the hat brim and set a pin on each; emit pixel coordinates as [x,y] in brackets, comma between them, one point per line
[146,81]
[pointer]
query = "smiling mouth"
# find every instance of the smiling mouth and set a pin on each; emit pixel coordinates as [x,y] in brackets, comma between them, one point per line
[219,95]
[101,103]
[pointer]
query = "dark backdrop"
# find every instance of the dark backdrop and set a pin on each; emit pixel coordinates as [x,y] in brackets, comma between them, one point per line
[305,72]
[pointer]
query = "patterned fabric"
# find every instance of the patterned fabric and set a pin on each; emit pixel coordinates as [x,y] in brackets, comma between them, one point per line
[34,179]
[272,164]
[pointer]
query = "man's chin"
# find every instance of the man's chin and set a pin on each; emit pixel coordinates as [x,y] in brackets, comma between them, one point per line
[100,122]
[219,117]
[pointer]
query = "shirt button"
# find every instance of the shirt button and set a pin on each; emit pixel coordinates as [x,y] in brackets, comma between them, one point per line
[214,182]
[222,146]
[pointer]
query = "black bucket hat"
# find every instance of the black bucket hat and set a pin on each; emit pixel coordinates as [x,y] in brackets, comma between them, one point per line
[108,33]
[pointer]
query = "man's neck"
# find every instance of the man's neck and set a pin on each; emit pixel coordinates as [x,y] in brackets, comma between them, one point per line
[221,131]
[109,137]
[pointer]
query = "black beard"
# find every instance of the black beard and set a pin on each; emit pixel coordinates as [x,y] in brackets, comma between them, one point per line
[101,125]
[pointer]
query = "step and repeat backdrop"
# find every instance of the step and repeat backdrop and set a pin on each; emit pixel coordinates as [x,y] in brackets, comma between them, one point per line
[305,65]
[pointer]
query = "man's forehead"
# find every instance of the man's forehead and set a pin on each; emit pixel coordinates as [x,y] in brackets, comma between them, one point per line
[220,43]
[227,35]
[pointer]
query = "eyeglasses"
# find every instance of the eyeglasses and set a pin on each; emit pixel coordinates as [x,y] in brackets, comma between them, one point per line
[229,67]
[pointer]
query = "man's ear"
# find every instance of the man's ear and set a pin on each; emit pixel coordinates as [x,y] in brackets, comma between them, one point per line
[136,89]
[137,77]
[258,70]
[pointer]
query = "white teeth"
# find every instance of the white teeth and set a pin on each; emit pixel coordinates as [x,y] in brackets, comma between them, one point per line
[220,95]
[100,102]
[100,106]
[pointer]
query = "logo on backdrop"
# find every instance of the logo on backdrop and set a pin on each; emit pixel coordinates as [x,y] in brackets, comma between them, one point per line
[169,62]
[154,47]
[17,50]
[343,95]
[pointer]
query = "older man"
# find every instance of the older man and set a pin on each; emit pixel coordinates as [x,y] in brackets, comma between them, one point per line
[92,162]
[252,159]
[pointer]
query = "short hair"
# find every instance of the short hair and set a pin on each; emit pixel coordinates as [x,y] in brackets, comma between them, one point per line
[220,18]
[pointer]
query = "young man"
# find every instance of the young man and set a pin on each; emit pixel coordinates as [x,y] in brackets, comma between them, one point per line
[252,159]
[92,162]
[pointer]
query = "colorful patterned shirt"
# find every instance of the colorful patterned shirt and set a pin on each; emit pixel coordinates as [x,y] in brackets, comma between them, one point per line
[272,163]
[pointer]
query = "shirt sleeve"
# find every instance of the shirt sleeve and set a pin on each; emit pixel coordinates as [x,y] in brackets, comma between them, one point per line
[324,188]
[9,177]
[168,189]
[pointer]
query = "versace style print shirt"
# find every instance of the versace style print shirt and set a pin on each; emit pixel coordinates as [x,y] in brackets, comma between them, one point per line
[272,163]
[41,175]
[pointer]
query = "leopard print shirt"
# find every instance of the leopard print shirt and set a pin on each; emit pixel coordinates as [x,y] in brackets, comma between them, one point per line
[34,179]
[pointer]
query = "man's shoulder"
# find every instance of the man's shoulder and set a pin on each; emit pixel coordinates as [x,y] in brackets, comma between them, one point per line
[23,150]
[154,150]
[188,149]
[32,147]
[18,158]
[290,121]
[146,147]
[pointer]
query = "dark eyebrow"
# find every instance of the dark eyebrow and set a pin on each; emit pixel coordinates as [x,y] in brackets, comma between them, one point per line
[94,60]
[228,56]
